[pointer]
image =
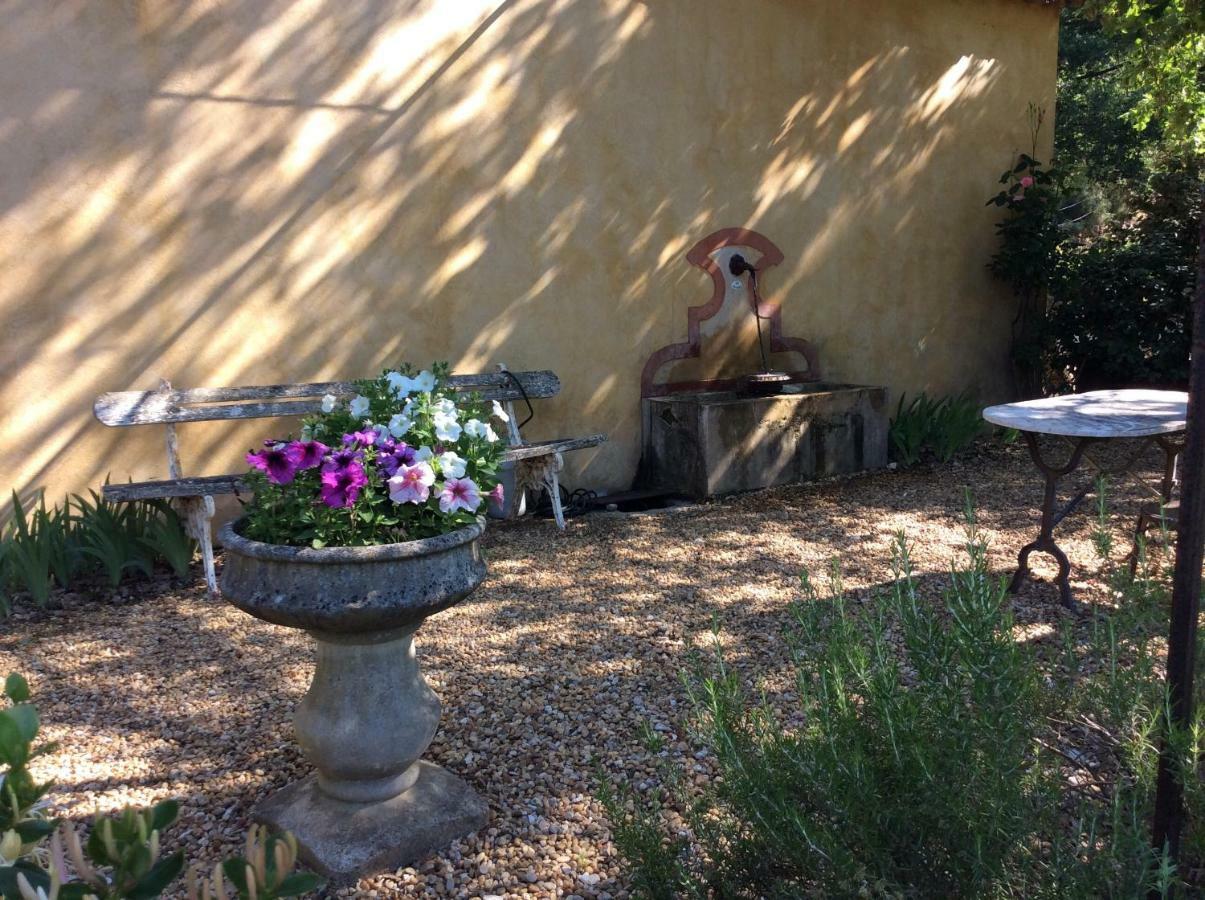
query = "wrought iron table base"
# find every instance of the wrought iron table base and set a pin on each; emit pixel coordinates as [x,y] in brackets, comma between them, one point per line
[1045,540]
[1045,543]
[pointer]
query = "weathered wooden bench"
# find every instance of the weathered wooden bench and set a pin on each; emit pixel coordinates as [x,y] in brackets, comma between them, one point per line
[194,495]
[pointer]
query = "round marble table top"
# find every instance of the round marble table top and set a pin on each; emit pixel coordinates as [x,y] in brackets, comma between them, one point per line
[1097,414]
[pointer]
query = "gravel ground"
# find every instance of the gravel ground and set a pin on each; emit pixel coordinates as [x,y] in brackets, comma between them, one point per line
[574,642]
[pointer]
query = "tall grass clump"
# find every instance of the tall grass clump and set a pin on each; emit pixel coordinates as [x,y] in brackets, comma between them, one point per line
[86,539]
[941,427]
[938,756]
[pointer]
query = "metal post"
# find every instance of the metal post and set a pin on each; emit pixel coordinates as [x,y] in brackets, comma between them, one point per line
[1186,586]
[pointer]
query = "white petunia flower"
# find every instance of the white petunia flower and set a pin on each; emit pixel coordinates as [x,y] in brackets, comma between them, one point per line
[422,454]
[451,465]
[500,413]
[445,407]
[400,424]
[446,428]
[359,405]
[424,381]
[478,429]
[382,432]
[399,383]
[329,402]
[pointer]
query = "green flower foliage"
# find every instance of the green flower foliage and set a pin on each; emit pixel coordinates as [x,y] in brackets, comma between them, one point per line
[1029,233]
[1103,262]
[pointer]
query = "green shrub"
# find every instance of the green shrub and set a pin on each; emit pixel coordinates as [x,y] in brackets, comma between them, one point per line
[942,427]
[910,429]
[931,754]
[38,548]
[1101,255]
[166,538]
[1122,309]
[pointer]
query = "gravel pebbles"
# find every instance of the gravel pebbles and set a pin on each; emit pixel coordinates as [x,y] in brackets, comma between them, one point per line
[556,668]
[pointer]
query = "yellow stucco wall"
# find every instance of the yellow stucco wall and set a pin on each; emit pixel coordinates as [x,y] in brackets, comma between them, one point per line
[253,191]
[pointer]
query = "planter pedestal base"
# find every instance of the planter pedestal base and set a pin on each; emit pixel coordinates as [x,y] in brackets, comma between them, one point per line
[342,840]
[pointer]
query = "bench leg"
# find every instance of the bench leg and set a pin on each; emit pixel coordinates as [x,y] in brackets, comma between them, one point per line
[200,513]
[553,482]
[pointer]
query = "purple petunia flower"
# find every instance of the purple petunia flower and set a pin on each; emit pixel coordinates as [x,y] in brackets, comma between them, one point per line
[405,453]
[341,487]
[275,462]
[307,454]
[387,463]
[339,459]
[365,438]
[400,454]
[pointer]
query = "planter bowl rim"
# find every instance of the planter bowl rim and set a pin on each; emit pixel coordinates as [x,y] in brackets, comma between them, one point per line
[229,538]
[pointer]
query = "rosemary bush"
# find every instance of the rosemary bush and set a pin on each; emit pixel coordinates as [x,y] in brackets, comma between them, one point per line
[939,757]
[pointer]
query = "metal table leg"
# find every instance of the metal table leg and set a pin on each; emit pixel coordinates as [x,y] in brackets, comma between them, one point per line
[1050,518]
[1172,447]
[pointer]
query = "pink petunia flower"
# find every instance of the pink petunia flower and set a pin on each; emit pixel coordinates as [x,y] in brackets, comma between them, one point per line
[459,493]
[1027,181]
[412,484]
[497,494]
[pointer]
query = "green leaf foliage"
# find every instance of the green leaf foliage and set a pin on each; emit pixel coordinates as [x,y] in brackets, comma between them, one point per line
[86,538]
[16,688]
[942,427]
[1164,54]
[120,858]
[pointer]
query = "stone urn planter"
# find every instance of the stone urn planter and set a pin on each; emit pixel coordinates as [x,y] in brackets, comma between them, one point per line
[369,714]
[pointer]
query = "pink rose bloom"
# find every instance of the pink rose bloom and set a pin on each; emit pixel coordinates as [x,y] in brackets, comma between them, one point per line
[1027,181]
[459,493]
[412,484]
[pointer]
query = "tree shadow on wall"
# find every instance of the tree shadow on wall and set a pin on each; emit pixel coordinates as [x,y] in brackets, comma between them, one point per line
[275,192]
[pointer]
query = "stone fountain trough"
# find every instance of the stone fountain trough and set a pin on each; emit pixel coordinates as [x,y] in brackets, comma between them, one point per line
[709,443]
[705,433]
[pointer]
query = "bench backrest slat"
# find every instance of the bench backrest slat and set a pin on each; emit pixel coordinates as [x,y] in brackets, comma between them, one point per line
[269,401]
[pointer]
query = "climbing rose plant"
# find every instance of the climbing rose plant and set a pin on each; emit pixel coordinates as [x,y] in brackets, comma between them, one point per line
[405,458]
